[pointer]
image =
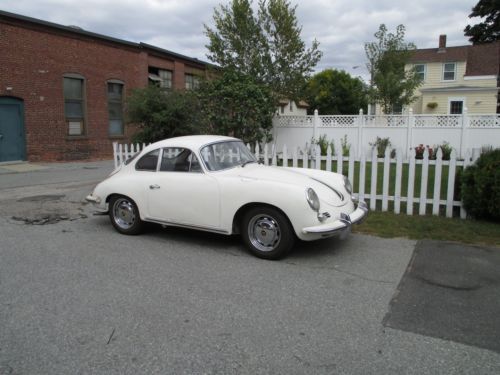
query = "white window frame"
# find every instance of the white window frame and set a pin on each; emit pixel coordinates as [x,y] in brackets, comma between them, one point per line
[425,70]
[454,72]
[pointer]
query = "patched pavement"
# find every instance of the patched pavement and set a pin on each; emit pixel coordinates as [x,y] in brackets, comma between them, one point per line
[450,291]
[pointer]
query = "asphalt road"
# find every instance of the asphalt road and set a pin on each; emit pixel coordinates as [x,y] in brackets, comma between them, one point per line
[78,298]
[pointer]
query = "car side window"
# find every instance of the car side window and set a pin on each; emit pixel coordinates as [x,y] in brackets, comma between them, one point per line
[148,162]
[179,160]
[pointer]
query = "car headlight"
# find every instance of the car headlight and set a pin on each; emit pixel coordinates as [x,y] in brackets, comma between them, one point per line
[347,185]
[312,199]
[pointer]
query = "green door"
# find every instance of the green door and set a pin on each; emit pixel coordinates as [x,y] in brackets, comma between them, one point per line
[12,141]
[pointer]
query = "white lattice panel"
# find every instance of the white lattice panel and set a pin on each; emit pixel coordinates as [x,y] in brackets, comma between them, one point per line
[484,121]
[294,121]
[338,121]
[389,121]
[444,121]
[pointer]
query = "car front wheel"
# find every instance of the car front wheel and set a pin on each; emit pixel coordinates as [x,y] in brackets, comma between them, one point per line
[124,215]
[267,233]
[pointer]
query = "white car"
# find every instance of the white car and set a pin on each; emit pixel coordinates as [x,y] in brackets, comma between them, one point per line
[214,183]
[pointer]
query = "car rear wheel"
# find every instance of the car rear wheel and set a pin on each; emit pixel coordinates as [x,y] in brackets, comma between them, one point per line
[267,233]
[124,215]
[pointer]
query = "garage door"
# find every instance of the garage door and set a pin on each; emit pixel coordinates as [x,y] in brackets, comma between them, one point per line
[12,139]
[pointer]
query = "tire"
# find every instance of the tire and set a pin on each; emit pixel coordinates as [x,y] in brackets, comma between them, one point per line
[267,233]
[124,215]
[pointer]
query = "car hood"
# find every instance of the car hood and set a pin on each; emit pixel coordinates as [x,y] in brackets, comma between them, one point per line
[329,186]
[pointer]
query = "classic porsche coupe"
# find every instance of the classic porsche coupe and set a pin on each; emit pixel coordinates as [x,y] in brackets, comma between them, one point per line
[214,183]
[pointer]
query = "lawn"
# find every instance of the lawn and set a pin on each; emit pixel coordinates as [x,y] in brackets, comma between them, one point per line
[389,225]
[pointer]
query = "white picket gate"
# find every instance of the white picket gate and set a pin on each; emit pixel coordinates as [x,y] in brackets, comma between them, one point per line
[356,170]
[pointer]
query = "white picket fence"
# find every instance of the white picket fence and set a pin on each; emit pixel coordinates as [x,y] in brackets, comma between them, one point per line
[368,165]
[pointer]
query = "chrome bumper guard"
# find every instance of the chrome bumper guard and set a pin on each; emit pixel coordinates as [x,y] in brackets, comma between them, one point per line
[341,225]
[90,198]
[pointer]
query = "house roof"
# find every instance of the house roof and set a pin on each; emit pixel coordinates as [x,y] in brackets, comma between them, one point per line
[77,31]
[481,59]
[301,104]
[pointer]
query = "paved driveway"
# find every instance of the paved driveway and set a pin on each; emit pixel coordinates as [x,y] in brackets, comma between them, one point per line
[76,297]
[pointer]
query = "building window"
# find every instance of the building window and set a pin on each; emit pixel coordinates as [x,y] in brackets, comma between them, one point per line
[115,108]
[449,71]
[160,77]
[456,107]
[420,69]
[166,78]
[397,109]
[74,105]
[192,81]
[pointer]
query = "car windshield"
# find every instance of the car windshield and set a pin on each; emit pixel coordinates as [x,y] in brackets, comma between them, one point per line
[224,155]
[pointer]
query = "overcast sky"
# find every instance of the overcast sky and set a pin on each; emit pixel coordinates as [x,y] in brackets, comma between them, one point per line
[341,26]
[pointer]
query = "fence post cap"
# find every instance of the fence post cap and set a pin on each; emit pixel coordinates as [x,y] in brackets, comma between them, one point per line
[361,111]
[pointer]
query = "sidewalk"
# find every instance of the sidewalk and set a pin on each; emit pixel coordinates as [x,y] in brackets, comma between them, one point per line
[25,167]
[31,174]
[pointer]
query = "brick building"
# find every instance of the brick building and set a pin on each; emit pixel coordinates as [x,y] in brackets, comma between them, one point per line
[62,88]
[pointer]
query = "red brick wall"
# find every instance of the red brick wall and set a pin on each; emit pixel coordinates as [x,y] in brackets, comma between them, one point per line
[33,61]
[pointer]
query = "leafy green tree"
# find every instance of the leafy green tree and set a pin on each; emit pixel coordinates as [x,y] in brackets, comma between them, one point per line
[163,114]
[334,92]
[234,104]
[489,29]
[391,85]
[266,45]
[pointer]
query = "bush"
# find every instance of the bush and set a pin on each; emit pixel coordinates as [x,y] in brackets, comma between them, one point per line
[346,146]
[163,114]
[481,187]
[446,149]
[419,151]
[238,105]
[323,144]
[381,144]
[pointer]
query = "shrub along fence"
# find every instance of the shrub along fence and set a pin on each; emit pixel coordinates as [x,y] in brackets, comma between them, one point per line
[410,185]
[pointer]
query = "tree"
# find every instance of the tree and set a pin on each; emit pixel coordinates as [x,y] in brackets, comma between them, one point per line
[334,92]
[391,85]
[266,45]
[163,114]
[488,30]
[234,104]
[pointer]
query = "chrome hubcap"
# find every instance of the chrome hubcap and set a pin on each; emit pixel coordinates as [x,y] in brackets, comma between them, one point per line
[123,213]
[264,232]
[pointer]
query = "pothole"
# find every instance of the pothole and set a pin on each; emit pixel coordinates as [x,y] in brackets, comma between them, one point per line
[48,218]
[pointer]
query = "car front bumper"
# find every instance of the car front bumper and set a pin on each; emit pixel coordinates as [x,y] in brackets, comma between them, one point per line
[340,226]
[100,206]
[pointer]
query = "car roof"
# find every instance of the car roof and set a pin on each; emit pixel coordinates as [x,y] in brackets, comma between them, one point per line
[193,142]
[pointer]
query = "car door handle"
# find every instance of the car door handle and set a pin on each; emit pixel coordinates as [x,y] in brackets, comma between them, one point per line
[153,187]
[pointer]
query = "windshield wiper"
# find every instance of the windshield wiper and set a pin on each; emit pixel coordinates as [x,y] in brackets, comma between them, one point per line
[247,162]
